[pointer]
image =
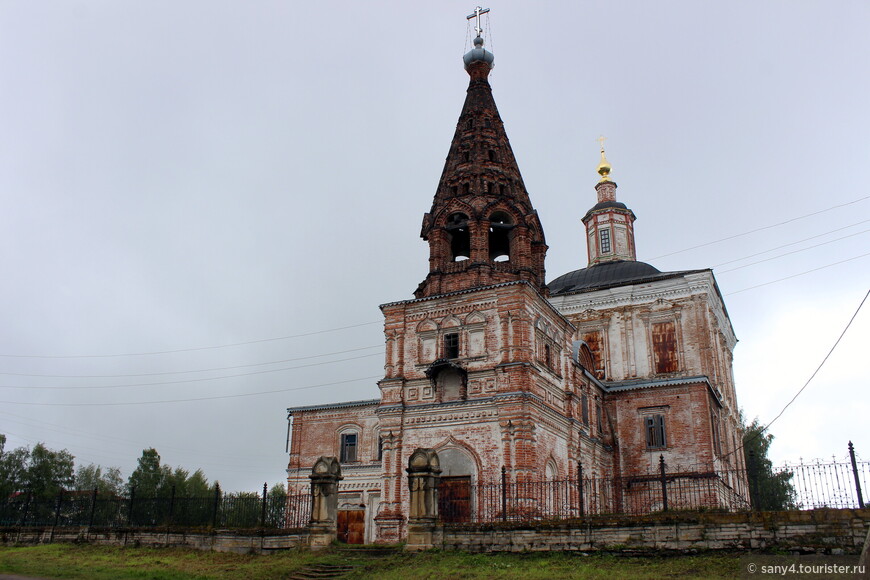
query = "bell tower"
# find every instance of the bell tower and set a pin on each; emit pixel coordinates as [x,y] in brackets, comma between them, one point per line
[482,228]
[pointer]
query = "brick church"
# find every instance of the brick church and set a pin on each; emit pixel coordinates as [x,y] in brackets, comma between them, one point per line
[611,366]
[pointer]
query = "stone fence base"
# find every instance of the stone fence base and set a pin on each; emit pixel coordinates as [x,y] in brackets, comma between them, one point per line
[218,541]
[837,531]
[823,531]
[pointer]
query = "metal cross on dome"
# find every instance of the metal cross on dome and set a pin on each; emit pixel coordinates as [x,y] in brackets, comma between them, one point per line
[477,12]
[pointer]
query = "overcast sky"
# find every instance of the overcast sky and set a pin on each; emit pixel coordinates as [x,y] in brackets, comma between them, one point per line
[183,176]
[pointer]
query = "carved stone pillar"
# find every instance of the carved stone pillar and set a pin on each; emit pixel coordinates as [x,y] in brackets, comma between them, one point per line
[423,471]
[322,528]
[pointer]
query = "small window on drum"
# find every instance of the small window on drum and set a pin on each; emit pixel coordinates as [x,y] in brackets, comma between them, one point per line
[500,226]
[460,240]
[605,240]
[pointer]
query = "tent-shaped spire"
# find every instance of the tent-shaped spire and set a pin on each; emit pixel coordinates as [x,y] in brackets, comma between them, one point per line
[482,228]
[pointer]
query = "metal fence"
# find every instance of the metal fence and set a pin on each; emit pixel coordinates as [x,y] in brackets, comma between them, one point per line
[817,484]
[216,511]
[798,486]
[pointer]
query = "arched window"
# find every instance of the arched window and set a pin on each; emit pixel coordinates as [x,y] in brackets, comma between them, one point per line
[460,241]
[348,445]
[500,226]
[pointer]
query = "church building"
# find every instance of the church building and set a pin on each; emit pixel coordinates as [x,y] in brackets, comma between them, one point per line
[616,366]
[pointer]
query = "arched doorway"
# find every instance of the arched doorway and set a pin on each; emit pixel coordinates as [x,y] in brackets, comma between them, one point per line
[455,500]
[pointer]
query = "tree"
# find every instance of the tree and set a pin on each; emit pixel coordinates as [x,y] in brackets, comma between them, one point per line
[276,511]
[149,477]
[108,482]
[13,466]
[49,471]
[770,490]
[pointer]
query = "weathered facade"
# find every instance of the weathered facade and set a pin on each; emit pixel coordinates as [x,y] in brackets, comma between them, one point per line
[613,365]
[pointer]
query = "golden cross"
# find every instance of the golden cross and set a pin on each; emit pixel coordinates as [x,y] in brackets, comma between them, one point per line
[601,139]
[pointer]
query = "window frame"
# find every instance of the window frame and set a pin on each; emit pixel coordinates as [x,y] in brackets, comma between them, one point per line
[344,446]
[451,345]
[605,244]
[655,430]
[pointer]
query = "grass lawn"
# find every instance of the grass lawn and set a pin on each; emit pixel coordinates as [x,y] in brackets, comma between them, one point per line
[115,563]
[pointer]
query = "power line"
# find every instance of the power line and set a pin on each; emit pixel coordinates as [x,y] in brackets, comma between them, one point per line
[788,221]
[381,346]
[792,243]
[799,274]
[183,381]
[790,253]
[44,425]
[192,399]
[806,384]
[824,360]
[289,336]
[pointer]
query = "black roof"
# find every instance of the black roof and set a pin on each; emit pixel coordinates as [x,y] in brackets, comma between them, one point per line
[609,275]
[607,205]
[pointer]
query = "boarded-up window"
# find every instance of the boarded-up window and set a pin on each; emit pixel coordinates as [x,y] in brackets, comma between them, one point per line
[348,447]
[584,409]
[599,418]
[664,338]
[594,341]
[655,431]
[717,443]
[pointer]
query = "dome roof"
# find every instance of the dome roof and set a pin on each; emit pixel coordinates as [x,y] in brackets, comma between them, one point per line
[604,275]
[607,205]
[478,54]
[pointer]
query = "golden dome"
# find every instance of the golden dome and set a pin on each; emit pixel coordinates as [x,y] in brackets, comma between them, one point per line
[604,167]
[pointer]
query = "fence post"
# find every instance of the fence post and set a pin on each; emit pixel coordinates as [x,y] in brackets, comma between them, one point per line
[130,507]
[753,482]
[56,514]
[503,494]
[263,511]
[855,475]
[171,506]
[27,508]
[580,486]
[217,499]
[93,506]
[664,483]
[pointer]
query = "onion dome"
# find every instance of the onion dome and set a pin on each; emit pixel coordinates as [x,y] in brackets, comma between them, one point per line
[478,54]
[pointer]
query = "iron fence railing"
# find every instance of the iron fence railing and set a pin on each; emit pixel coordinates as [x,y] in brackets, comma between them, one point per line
[809,485]
[797,486]
[216,511]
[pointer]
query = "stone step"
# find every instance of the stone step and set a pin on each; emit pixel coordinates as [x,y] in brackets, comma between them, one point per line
[321,571]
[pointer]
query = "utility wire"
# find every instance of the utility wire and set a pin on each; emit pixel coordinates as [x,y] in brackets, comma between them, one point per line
[776,225]
[796,275]
[814,246]
[289,336]
[824,360]
[182,381]
[35,423]
[316,332]
[192,399]
[806,384]
[792,243]
[380,346]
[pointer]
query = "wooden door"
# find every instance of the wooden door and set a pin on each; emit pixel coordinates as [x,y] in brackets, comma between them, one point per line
[454,499]
[351,526]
